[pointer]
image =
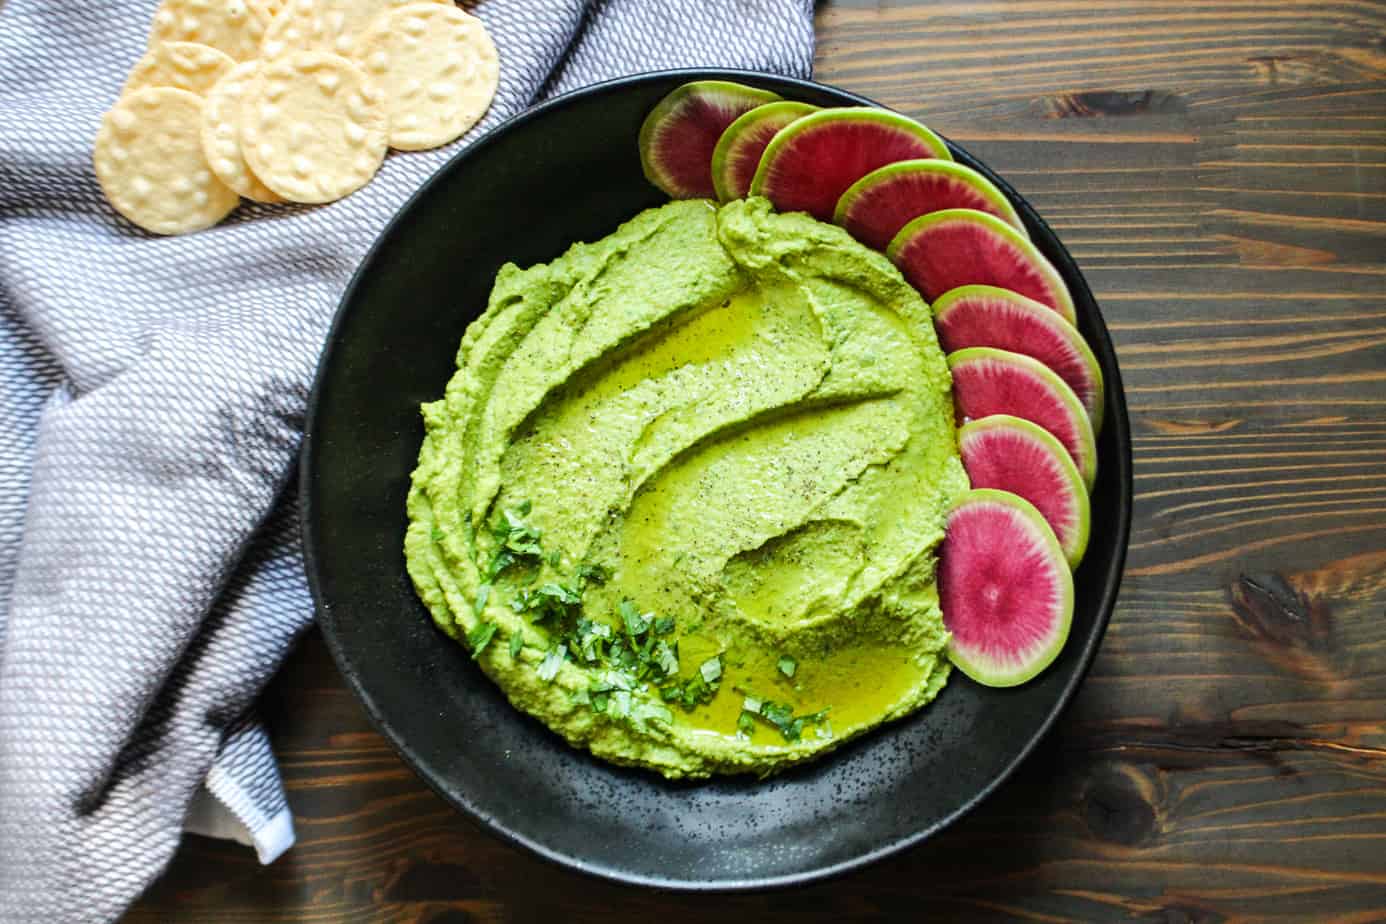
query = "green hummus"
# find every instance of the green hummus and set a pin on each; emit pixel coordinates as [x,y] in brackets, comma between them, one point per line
[682,495]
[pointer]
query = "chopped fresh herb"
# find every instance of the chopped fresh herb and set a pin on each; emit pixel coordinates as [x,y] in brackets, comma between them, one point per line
[825,729]
[746,723]
[589,643]
[787,665]
[666,658]
[711,669]
[620,702]
[587,573]
[695,691]
[515,539]
[580,698]
[564,595]
[503,559]
[782,717]
[483,593]
[632,660]
[637,624]
[548,668]
[777,714]
[438,535]
[480,637]
[645,712]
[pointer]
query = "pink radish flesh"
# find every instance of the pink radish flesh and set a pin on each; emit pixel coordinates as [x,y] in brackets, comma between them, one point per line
[811,165]
[984,385]
[737,154]
[977,317]
[680,133]
[875,210]
[1019,458]
[962,247]
[1005,591]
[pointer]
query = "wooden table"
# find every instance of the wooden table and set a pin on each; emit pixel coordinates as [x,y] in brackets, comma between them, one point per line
[1219,171]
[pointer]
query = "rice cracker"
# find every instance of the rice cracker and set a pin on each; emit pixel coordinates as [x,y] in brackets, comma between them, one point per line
[439,69]
[189,66]
[314,126]
[149,162]
[325,25]
[236,27]
[221,133]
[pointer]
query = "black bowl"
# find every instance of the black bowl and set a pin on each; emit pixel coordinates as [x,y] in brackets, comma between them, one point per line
[568,171]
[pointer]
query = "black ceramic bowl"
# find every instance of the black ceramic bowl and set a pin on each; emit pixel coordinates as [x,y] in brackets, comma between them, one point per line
[568,171]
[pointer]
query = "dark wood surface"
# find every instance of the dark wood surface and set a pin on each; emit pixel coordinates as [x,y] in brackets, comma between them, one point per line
[1219,171]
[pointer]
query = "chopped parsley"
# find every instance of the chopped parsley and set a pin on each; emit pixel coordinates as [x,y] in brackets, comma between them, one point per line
[548,668]
[588,573]
[667,658]
[782,717]
[438,534]
[480,637]
[516,540]
[637,623]
[787,665]
[711,669]
[649,711]
[630,656]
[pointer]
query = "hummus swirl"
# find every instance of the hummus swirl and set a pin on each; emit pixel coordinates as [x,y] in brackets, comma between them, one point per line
[741,424]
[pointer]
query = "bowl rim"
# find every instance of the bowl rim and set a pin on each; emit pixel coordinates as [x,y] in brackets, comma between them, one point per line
[1116,417]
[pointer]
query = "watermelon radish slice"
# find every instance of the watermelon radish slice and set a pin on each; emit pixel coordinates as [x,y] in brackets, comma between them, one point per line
[678,136]
[1004,588]
[958,247]
[988,381]
[737,155]
[811,162]
[985,316]
[1011,454]
[877,206]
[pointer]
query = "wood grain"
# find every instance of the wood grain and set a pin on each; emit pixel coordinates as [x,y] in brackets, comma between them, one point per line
[1219,171]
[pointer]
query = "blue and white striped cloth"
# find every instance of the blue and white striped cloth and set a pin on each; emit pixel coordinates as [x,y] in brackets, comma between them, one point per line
[152,394]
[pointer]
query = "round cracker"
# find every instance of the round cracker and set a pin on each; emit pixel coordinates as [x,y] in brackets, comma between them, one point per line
[221,133]
[313,126]
[149,162]
[325,25]
[233,26]
[439,69]
[188,66]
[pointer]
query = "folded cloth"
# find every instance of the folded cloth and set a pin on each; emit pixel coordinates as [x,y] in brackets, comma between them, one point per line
[153,392]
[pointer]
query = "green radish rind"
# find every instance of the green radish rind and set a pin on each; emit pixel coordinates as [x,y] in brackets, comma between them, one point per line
[1021,243]
[949,168]
[745,122]
[808,123]
[983,670]
[676,97]
[1042,314]
[1074,550]
[1087,451]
